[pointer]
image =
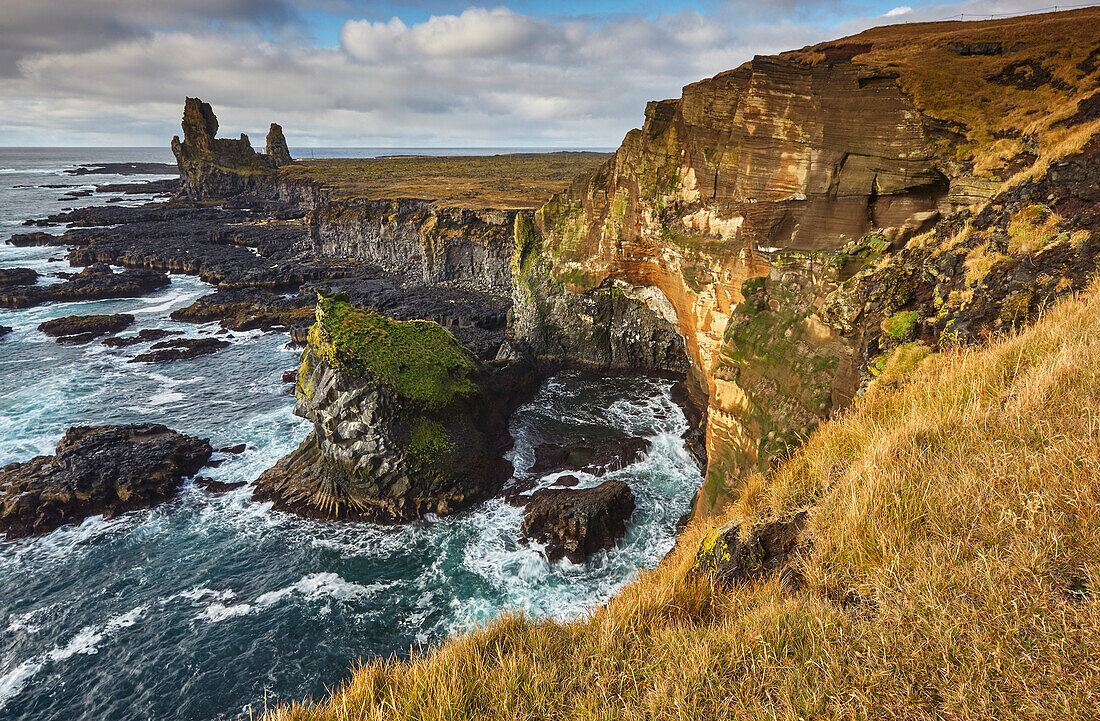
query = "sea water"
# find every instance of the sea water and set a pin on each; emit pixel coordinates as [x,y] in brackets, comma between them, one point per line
[208,606]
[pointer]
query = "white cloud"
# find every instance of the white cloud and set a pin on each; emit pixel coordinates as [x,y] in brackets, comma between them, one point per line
[482,76]
[898,11]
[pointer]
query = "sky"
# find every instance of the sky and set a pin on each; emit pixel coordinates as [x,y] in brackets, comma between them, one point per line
[382,73]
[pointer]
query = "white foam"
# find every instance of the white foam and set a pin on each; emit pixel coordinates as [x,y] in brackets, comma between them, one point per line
[311,588]
[14,681]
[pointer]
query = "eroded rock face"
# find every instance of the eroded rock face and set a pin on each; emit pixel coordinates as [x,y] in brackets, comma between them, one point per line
[406,422]
[17,276]
[732,223]
[574,523]
[97,469]
[212,167]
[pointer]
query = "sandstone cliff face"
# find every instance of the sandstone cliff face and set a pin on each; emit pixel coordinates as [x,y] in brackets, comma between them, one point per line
[212,167]
[763,194]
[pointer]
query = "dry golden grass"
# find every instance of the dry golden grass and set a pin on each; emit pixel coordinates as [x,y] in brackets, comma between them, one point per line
[509,181]
[952,573]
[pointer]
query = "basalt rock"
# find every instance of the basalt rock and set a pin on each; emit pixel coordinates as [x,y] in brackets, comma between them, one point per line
[95,282]
[145,335]
[574,523]
[28,240]
[82,328]
[213,167]
[4,330]
[406,421]
[218,487]
[96,469]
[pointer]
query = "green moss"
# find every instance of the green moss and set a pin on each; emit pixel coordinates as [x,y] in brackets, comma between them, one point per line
[419,359]
[429,440]
[900,325]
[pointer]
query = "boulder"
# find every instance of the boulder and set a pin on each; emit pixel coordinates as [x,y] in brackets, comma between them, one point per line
[573,523]
[97,469]
[728,559]
[146,335]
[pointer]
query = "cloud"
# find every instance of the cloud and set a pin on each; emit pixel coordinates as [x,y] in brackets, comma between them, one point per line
[479,76]
[898,11]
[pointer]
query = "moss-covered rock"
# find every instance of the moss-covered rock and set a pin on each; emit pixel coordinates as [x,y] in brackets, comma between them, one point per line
[405,421]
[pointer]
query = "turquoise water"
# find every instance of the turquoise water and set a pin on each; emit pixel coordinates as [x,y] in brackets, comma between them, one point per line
[207,605]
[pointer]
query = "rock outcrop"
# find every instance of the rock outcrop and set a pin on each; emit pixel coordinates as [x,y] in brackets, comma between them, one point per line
[212,167]
[729,557]
[574,523]
[83,328]
[406,421]
[96,469]
[751,233]
[96,282]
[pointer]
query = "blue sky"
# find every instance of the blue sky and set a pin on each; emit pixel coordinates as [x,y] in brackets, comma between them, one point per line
[386,73]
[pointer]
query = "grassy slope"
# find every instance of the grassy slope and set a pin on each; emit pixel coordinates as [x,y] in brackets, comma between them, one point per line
[952,574]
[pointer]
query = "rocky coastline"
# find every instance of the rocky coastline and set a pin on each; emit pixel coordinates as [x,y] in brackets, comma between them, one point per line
[774,275]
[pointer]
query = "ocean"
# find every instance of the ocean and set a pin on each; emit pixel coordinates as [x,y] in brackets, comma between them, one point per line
[208,607]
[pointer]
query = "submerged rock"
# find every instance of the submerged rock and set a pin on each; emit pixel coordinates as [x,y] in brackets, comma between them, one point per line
[596,456]
[97,469]
[573,523]
[217,487]
[4,330]
[83,328]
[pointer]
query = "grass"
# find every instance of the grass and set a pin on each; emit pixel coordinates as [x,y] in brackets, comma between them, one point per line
[419,359]
[511,181]
[951,566]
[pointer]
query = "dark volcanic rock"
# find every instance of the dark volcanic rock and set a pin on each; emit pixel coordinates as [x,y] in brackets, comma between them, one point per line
[728,560]
[97,469]
[574,523]
[146,335]
[28,240]
[4,330]
[80,328]
[17,276]
[211,486]
[180,349]
[148,187]
[595,456]
[94,283]
[235,450]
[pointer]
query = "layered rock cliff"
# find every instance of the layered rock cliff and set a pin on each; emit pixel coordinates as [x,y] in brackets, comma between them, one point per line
[212,167]
[798,219]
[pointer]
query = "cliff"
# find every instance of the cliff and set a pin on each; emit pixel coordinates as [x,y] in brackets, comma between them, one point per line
[429,219]
[212,167]
[797,220]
